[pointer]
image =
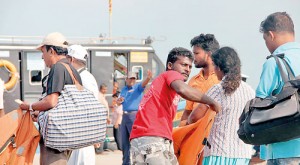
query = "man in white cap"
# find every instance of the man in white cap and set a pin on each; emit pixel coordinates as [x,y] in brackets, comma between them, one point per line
[54,50]
[130,97]
[77,56]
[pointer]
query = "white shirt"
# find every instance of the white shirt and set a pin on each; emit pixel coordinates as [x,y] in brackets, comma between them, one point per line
[89,82]
[118,112]
[103,100]
[223,134]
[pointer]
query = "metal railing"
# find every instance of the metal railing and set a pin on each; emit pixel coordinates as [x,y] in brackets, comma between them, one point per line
[80,40]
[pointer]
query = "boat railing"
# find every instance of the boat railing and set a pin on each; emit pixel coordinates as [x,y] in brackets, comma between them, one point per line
[81,40]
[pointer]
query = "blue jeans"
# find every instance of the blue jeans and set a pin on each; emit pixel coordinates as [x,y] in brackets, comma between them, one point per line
[284,161]
[126,127]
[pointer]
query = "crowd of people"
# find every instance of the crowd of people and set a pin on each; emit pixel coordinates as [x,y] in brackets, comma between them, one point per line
[143,121]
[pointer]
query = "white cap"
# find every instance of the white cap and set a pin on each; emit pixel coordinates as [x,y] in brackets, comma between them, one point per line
[131,75]
[78,52]
[55,39]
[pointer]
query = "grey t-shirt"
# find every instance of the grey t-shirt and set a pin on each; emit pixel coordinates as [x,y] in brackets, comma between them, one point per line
[58,77]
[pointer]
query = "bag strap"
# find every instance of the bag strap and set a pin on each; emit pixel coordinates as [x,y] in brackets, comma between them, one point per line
[284,76]
[76,83]
[288,68]
[10,140]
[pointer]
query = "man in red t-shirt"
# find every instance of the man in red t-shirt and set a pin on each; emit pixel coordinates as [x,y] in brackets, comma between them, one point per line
[151,135]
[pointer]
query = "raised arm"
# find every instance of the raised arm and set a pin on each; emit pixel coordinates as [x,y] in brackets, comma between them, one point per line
[146,81]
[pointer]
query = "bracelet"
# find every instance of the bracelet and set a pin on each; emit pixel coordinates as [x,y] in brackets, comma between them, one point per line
[30,107]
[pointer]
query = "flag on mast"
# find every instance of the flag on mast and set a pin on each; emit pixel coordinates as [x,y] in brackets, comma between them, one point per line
[109,6]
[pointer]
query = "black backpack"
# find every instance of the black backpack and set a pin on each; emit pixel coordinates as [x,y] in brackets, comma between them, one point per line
[275,118]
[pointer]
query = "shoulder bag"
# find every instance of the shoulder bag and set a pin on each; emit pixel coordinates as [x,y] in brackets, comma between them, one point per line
[77,121]
[275,118]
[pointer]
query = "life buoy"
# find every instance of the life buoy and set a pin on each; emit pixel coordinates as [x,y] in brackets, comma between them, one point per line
[14,76]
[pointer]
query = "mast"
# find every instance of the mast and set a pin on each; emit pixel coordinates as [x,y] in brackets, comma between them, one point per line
[110,19]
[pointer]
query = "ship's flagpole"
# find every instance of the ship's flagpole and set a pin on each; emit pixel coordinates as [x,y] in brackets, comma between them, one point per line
[110,13]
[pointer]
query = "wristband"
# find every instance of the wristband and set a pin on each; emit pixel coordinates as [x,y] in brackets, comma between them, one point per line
[30,107]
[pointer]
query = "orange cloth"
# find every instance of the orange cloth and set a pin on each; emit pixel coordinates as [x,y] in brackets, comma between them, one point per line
[203,85]
[188,139]
[19,127]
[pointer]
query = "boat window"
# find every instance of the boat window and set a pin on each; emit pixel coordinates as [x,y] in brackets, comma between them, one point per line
[119,75]
[120,65]
[35,77]
[139,72]
[121,59]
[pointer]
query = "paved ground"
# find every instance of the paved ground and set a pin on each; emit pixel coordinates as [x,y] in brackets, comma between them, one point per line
[115,158]
[108,158]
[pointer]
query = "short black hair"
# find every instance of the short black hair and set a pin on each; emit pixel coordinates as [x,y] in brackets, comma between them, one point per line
[207,42]
[178,51]
[59,50]
[102,86]
[116,94]
[277,22]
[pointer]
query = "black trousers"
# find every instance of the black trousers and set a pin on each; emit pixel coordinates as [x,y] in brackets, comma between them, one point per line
[117,136]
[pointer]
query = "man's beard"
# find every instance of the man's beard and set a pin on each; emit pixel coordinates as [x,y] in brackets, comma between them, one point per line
[200,65]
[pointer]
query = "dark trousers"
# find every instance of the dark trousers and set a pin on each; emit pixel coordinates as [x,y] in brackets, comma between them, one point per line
[49,156]
[126,126]
[117,136]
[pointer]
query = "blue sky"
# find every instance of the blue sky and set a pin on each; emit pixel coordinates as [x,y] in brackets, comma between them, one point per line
[235,23]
